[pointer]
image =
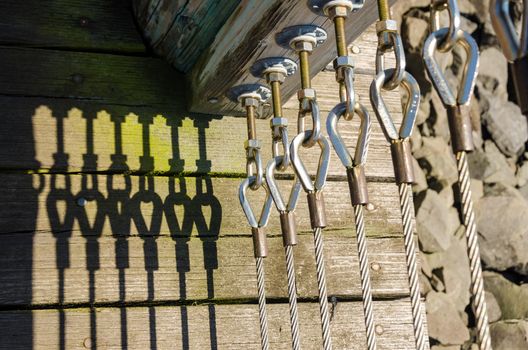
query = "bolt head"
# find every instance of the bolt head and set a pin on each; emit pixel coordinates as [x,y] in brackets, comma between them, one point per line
[275,76]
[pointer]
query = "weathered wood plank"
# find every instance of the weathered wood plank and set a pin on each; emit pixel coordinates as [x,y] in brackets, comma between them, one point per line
[88,25]
[34,129]
[132,205]
[180,31]
[79,270]
[202,327]
[249,35]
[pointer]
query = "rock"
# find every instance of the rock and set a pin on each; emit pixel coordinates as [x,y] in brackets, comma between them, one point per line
[524,192]
[450,347]
[508,127]
[439,310]
[436,222]
[440,126]
[437,158]
[511,298]
[494,311]
[414,31]
[522,175]
[416,141]
[491,166]
[502,221]
[420,183]
[400,8]
[453,267]
[477,189]
[493,73]
[447,196]
[509,335]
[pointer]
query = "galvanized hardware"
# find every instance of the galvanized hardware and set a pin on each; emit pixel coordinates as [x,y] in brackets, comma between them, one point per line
[360,154]
[322,7]
[289,36]
[451,6]
[354,165]
[515,47]
[300,169]
[444,39]
[437,76]
[390,79]
[410,109]
[251,97]
[344,66]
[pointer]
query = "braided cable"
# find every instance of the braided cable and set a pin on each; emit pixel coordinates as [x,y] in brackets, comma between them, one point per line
[263,315]
[364,271]
[321,283]
[292,298]
[477,282]
[412,266]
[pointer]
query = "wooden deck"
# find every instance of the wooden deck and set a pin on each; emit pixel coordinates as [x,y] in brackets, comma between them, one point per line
[120,226]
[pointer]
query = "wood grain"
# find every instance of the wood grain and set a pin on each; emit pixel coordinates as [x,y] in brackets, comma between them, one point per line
[131,205]
[72,270]
[78,25]
[204,327]
[248,35]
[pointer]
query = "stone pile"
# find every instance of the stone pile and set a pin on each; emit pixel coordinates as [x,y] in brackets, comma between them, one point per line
[499,170]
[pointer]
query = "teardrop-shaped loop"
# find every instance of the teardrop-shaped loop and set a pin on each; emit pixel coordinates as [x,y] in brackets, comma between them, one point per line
[300,169]
[360,155]
[316,123]
[273,187]
[505,29]
[246,207]
[438,78]
[410,109]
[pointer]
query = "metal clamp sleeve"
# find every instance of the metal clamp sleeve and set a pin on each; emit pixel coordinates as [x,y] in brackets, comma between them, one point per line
[357,182]
[460,128]
[289,229]
[316,206]
[520,79]
[403,162]
[260,245]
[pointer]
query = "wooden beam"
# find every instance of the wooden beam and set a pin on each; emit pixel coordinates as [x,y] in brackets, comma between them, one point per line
[249,35]
[201,327]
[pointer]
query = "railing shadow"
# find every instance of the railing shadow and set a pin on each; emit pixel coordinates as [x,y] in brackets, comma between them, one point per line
[112,204]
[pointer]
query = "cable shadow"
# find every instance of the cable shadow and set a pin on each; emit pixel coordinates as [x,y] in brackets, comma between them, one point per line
[149,232]
[208,228]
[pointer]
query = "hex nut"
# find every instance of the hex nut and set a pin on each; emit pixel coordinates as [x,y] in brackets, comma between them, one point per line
[302,46]
[344,61]
[279,122]
[308,94]
[338,11]
[252,144]
[275,76]
[388,25]
[250,102]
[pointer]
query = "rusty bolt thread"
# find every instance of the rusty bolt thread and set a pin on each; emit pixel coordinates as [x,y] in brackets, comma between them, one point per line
[520,74]
[289,228]
[357,182]
[276,96]
[304,59]
[260,246]
[403,162]
[251,124]
[384,10]
[459,121]
[316,206]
